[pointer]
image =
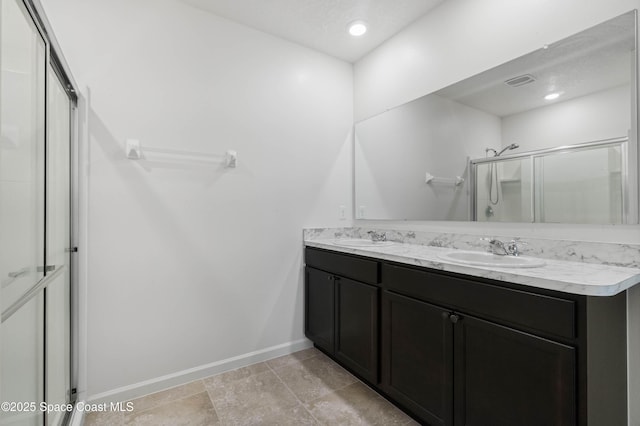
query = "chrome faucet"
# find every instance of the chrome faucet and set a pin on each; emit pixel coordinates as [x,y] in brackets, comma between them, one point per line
[504,249]
[512,247]
[497,247]
[375,236]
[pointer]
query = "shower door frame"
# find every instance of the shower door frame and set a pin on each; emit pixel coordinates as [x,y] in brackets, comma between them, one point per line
[67,82]
[54,62]
[623,142]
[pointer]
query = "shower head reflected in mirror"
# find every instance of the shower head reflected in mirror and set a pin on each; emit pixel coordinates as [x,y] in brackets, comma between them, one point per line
[508,148]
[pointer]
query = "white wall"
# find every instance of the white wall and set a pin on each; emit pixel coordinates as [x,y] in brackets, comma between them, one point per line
[394,151]
[190,263]
[585,119]
[461,38]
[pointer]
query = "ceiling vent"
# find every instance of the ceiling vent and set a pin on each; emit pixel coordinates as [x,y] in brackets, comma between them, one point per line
[520,80]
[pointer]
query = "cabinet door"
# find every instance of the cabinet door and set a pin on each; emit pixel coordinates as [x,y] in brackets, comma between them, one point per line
[319,304]
[417,357]
[505,377]
[357,327]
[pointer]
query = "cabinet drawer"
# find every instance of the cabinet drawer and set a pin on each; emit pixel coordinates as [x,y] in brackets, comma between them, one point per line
[529,310]
[349,266]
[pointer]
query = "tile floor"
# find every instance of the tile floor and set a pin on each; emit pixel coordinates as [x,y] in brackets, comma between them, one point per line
[304,388]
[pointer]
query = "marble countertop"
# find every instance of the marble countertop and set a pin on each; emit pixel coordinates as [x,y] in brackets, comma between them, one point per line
[570,277]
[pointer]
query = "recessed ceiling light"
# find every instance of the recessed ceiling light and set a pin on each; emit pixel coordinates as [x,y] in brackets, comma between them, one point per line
[357,28]
[552,96]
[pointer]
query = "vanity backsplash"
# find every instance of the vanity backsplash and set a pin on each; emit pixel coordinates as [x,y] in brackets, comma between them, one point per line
[627,255]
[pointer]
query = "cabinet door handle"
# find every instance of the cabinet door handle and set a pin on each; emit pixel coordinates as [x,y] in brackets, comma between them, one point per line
[454,318]
[330,277]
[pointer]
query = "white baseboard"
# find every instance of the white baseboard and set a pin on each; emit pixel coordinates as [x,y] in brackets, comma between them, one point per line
[137,390]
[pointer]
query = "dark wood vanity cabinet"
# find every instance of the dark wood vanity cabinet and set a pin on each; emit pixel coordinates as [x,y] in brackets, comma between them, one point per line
[501,376]
[458,350]
[504,377]
[357,327]
[319,308]
[417,358]
[465,370]
[341,314]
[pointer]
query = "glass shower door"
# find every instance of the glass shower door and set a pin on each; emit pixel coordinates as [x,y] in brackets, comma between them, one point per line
[582,183]
[583,186]
[22,153]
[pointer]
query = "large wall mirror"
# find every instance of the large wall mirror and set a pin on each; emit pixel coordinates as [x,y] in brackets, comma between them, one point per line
[547,137]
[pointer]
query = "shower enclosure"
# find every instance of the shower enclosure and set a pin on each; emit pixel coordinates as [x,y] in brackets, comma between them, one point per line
[583,183]
[36,267]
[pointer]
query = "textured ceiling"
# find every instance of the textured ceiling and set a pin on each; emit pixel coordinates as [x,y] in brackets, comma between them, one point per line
[322,24]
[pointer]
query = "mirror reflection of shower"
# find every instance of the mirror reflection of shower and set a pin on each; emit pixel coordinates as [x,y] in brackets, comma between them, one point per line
[493,177]
[582,182]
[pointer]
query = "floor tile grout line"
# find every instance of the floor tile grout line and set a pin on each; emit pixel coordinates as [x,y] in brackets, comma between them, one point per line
[167,389]
[377,394]
[269,369]
[332,390]
[218,415]
[385,400]
[304,407]
[157,405]
[132,413]
[357,380]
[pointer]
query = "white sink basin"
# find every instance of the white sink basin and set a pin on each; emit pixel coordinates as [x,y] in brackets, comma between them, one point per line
[477,258]
[356,242]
